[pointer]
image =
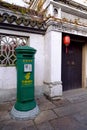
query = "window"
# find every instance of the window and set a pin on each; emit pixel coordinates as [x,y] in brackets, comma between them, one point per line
[55,12]
[8,44]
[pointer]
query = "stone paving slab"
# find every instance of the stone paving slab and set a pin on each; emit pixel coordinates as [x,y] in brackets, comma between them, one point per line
[41,100]
[66,110]
[45,116]
[81,117]
[77,99]
[81,106]
[67,123]
[45,126]
[61,103]
[74,92]
[16,125]
[5,106]
[69,113]
[4,116]
[76,95]
[2,124]
[29,128]
[13,126]
[46,106]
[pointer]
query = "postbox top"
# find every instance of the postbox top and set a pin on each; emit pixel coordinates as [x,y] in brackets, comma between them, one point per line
[25,49]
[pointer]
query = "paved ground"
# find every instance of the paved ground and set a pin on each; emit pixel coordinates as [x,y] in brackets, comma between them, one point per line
[69,113]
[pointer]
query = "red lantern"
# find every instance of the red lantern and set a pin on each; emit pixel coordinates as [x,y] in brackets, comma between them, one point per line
[66,41]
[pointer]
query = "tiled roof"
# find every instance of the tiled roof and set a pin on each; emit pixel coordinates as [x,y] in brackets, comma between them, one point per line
[20,16]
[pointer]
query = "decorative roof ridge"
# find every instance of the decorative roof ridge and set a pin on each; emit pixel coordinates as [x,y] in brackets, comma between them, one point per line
[73,4]
[18,9]
[22,21]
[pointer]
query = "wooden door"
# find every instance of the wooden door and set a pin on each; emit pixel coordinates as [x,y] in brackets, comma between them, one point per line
[72,66]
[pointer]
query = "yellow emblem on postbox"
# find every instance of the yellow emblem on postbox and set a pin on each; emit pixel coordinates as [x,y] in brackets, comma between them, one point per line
[27,76]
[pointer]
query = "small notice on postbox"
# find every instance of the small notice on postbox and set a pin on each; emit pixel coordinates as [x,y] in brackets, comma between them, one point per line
[27,67]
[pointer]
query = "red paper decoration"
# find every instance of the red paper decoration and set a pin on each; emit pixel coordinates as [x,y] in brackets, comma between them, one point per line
[66,41]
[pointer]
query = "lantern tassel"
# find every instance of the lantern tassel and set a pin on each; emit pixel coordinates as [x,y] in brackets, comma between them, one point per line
[66,49]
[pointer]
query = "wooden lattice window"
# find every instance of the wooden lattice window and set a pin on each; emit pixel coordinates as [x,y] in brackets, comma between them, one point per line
[8,44]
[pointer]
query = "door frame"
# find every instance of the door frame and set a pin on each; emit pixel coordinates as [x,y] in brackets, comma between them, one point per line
[84,56]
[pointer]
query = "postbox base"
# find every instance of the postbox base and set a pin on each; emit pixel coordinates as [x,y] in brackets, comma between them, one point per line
[24,115]
[25,106]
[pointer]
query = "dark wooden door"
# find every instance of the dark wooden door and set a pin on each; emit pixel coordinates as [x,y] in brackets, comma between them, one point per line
[72,66]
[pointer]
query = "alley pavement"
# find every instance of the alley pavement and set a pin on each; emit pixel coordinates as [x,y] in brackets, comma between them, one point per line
[68,113]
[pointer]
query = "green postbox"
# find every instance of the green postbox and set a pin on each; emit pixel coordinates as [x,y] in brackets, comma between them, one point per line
[25,78]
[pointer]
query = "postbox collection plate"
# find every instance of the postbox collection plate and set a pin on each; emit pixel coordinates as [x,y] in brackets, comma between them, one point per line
[27,67]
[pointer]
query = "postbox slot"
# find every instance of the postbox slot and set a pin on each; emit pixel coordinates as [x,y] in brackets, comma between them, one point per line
[27,55]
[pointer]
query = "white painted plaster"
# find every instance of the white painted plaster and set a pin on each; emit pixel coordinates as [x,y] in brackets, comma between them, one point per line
[53,56]
[37,42]
[73,18]
[47,75]
[52,77]
[10,32]
[8,76]
[50,10]
[56,43]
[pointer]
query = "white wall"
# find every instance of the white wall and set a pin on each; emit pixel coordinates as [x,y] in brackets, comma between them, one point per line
[53,56]
[8,78]
[52,77]
[37,42]
[8,75]
[74,18]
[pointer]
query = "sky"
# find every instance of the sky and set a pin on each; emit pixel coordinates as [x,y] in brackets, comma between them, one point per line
[21,3]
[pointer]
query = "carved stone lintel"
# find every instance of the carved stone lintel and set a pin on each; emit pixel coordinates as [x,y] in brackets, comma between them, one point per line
[66,27]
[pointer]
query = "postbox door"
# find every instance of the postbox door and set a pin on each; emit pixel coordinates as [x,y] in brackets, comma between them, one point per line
[26,80]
